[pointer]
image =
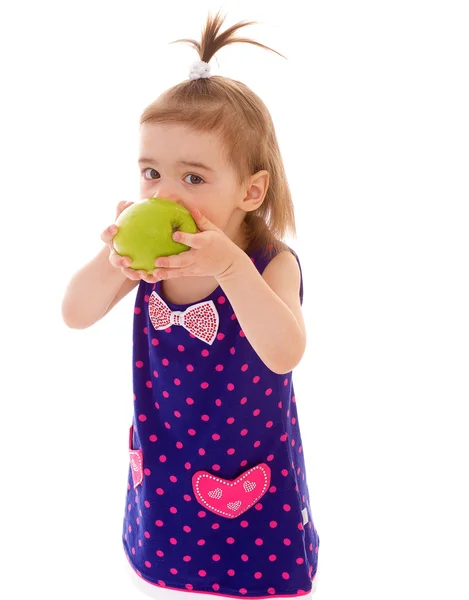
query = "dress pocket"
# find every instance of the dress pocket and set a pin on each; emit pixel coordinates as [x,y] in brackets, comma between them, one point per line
[231,498]
[136,460]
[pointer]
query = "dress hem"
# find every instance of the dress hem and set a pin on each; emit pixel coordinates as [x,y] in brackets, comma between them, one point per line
[213,592]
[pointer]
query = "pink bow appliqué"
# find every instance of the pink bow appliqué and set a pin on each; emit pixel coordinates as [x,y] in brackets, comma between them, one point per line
[201,319]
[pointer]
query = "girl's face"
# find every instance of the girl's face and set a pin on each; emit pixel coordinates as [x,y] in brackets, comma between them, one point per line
[167,153]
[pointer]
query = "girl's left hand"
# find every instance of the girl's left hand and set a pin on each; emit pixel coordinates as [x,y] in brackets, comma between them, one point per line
[211,253]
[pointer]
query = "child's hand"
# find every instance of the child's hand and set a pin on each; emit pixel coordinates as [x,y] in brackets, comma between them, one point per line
[117,261]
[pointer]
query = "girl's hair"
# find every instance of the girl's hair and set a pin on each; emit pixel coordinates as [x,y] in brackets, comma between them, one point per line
[243,123]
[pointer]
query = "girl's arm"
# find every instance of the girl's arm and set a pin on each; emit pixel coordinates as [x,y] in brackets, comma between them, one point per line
[268,308]
[93,291]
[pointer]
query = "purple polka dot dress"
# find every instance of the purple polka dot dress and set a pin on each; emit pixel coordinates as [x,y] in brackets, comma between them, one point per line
[217,498]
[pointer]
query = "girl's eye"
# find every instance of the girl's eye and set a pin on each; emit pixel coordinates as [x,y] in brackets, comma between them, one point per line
[152,170]
[196,177]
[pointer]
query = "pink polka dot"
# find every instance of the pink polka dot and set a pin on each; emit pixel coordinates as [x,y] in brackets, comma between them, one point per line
[221,300]
[147,504]
[273,524]
[244,557]
[187,558]
[243,591]
[271,590]
[216,436]
[153,438]
[272,558]
[202,573]
[231,451]
[257,575]
[230,540]
[137,310]
[187,465]
[285,381]
[285,575]
[148,564]
[259,542]
[256,379]
[167,425]
[177,414]
[161,582]
[299,561]
[147,472]
[244,368]
[190,368]
[230,387]
[244,431]
[218,402]
[189,586]
[162,458]
[284,472]
[268,391]
[189,401]
[187,498]
[216,587]
[149,384]
[232,350]
[146,534]
[177,381]
[165,394]
[173,510]
[205,418]
[204,385]
[155,342]
[283,437]
[201,542]
[215,467]
[139,364]
[243,400]
[230,420]
[179,445]
[173,571]
[270,457]
[180,348]
[191,431]
[269,424]
[216,557]
[287,542]
[205,353]
[256,412]
[220,336]
[160,553]
[219,368]
[286,507]
[244,524]
[159,523]
[159,491]
[157,405]
[256,444]
[231,572]
[173,541]
[201,452]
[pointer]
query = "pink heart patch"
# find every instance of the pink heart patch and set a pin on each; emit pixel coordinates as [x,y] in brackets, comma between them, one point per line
[231,498]
[136,460]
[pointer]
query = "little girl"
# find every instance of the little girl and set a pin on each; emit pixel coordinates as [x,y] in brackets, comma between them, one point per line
[217,499]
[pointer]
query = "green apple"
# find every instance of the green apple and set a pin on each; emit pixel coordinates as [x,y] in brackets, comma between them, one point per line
[146,229]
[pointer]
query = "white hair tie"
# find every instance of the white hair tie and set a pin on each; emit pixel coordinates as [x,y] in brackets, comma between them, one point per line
[200,69]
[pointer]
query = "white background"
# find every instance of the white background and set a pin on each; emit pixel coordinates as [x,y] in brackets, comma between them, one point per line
[371,111]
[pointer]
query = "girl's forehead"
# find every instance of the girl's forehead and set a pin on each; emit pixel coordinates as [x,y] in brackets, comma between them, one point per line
[180,142]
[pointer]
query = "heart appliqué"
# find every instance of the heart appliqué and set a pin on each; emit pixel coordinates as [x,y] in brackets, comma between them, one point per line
[231,498]
[136,464]
[215,493]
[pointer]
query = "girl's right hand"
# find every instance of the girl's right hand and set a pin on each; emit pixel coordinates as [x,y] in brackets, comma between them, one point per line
[117,261]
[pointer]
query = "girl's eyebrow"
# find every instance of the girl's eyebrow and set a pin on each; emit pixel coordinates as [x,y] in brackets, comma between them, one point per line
[185,163]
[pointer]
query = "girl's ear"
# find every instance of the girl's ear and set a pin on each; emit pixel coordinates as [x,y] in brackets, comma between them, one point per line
[257,189]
